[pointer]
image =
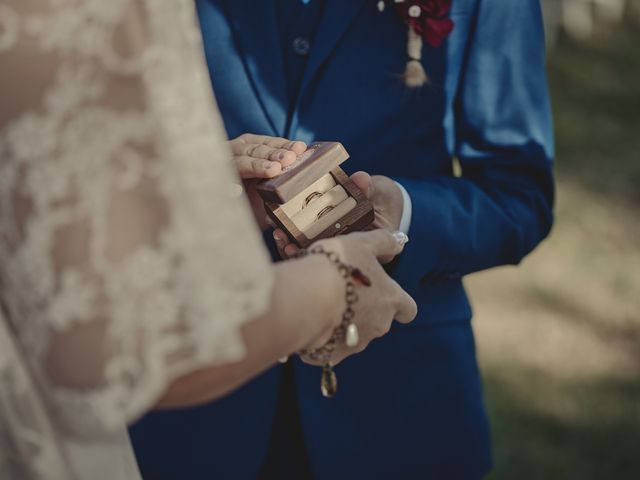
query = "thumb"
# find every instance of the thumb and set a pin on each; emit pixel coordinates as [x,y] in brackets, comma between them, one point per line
[382,243]
[407,308]
[364,183]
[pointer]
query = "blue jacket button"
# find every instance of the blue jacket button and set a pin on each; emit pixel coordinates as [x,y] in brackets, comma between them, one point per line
[301,46]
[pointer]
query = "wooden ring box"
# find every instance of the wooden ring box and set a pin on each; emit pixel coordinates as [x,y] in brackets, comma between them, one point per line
[313,198]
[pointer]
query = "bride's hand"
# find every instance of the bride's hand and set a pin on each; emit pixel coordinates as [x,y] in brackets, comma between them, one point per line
[377,305]
[260,156]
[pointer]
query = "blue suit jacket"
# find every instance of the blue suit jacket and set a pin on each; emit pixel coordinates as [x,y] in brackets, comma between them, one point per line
[410,406]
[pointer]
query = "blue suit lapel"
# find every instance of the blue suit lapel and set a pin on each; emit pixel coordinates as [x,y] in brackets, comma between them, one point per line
[256,28]
[337,16]
[255,25]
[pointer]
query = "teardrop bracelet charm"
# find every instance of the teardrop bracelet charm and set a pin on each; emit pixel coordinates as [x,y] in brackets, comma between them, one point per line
[346,333]
[328,382]
[352,337]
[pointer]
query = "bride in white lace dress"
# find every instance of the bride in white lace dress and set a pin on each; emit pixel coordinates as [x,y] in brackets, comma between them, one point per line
[131,270]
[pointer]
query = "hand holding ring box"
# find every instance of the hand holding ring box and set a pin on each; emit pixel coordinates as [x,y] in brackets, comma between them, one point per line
[313,198]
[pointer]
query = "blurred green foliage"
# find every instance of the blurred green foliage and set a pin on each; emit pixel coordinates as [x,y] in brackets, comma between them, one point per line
[559,337]
[595,87]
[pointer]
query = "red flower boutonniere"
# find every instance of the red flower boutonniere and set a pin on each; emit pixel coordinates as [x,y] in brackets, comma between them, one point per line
[428,22]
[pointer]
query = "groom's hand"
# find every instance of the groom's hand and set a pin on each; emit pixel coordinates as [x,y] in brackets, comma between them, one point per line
[386,197]
[384,194]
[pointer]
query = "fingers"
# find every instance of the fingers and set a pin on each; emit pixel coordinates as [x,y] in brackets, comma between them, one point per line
[363,182]
[268,148]
[249,167]
[265,152]
[291,250]
[286,249]
[260,156]
[382,243]
[261,160]
[281,241]
[407,308]
[270,222]
[275,142]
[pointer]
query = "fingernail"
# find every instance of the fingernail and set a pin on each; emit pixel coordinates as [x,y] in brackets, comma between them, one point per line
[276,237]
[281,156]
[269,165]
[401,237]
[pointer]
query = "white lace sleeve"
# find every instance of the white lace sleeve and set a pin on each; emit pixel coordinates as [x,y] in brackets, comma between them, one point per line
[128,254]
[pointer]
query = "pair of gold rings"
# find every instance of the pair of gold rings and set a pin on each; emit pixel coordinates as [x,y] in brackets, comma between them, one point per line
[313,196]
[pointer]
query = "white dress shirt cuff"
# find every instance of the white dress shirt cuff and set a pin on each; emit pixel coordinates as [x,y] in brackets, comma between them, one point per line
[405,219]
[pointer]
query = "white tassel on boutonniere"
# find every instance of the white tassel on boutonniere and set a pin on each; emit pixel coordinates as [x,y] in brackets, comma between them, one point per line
[414,74]
[427,21]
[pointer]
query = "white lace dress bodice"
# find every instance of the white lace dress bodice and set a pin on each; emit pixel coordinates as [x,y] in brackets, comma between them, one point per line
[128,254]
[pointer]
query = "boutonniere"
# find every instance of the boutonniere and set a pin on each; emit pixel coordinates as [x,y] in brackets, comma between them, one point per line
[427,21]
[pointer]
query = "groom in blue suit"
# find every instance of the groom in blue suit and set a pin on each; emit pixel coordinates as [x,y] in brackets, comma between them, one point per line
[410,406]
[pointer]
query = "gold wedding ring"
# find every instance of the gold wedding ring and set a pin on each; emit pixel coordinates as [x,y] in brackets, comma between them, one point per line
[324,211]
[310,198]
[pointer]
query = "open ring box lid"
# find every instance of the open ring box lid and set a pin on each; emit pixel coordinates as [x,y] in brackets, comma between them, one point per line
[313,180]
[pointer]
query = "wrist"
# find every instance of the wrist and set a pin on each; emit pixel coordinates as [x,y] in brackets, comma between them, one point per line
[346,331]
[328,289]
[314,296]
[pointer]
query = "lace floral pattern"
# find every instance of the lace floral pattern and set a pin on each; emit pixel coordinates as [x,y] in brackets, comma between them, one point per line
[124,239]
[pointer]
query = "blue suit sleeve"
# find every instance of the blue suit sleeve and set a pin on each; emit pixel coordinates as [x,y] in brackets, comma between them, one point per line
[501,207]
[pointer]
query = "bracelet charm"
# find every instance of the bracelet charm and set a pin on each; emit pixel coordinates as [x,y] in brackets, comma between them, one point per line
[347,331]
[329,382]
[352,337]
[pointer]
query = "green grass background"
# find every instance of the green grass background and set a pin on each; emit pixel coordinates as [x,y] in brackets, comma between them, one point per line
[559,336]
